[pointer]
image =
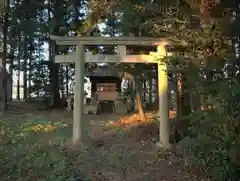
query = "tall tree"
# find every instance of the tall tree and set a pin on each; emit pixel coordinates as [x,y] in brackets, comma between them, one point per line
[3,82]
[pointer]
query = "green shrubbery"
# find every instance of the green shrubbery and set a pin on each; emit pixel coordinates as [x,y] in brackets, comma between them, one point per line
[22,158]
[214,142]
[213,136]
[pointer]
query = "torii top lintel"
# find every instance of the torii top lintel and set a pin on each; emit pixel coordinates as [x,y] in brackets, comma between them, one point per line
[127,40]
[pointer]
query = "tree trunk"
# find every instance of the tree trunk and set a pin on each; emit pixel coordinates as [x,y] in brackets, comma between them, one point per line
[11,77]
[30,73]
[67,80]
[18,85]
[2,93]
[18,74]
[62,80]
[144,88]
[54,68]
[180,99]
[141,114]
[186,108]
[25,95]
[54,79]
[3,63]
[150,89]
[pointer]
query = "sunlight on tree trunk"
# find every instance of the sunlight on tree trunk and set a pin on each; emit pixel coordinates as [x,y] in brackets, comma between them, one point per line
[136,86]
[141,114]
[180,95]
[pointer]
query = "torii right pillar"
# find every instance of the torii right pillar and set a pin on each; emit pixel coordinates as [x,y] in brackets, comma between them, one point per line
[164,129]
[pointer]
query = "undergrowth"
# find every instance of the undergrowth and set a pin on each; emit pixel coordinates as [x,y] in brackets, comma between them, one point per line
[212,139]
[22,157]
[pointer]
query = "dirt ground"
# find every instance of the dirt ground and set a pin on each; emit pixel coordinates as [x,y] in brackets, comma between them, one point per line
[116,153]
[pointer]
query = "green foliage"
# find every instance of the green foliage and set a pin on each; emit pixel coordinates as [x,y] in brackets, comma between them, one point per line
[213,144]
[24,158]
[212,133]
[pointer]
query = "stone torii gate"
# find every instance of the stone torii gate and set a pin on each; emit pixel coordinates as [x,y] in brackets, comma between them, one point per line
[80,56]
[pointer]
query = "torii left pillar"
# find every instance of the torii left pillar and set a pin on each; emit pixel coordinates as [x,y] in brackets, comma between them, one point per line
[78,95]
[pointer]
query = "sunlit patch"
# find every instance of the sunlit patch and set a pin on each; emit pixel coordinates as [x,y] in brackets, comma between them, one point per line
[135,119]
[172,114]
[208,107]
[48,127]
[132,120]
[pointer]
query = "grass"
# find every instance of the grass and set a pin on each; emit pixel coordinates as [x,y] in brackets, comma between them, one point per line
[30,149]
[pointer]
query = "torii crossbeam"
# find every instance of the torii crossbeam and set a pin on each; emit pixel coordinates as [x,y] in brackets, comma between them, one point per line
[121,43]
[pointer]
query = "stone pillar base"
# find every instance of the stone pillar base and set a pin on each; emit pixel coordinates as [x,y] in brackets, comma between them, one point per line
[166,146]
